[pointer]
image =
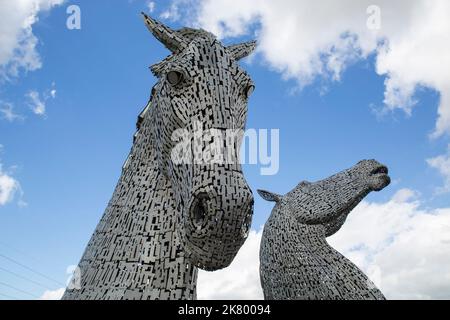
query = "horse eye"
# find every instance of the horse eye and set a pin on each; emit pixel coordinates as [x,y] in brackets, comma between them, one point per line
[174,77]
[249,90]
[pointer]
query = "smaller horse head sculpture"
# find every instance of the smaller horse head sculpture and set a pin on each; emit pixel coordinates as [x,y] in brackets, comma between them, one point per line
[328,202]
[296,262]
[200,97]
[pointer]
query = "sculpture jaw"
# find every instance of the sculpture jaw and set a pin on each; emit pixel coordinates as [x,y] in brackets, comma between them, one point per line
[366,176]
[373,177]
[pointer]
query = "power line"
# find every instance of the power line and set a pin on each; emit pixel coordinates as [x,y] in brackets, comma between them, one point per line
[8,296]
[19,290]
[6,245]
[31,269]
[25,278]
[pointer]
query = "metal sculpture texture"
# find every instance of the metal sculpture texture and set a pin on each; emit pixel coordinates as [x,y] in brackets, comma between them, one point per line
[296,262]
[166,218]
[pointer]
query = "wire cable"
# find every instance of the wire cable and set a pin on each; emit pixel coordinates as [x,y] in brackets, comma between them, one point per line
[7,296]
[31,269]
[19,290]
[25,278]
[22,253]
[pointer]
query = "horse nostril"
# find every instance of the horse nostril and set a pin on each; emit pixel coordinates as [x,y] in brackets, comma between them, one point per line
[199,210]
[198,214]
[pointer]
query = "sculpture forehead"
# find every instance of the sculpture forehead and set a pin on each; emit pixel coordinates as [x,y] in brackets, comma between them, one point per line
[366,165]
[208,52]
[207,45]
[335,183]
[204,52]
[306,188]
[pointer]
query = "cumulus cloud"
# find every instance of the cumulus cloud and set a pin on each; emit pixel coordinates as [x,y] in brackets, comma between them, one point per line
[402,247]
[151,6]
[17,41]
[38,103]
[53,294]
[8,186]
[178,9]
[442,164]
[240,280]
[7,112]
[304,40]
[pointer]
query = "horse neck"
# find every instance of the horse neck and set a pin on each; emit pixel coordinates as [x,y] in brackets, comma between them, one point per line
[172,275]
[135,251]
[305,248]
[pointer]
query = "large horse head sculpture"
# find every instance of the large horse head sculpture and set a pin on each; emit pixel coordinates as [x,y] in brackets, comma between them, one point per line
[201,88]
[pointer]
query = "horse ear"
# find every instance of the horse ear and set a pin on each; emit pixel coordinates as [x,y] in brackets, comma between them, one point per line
[241,50]
[269,196]
[304,183]
[171,39]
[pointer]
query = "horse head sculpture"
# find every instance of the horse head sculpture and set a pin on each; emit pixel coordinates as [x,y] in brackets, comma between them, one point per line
[173,209]
[201,89]
[296,262]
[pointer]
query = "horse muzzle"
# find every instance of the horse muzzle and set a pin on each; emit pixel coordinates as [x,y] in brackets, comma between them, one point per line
[217,220]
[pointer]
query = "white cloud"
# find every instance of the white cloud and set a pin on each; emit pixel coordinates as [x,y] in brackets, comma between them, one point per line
[305,39]
[51,92]
[53,294]
[442,164]
[35,100]
[17,41]
[8,187]
[240,280]
[7,112]
[178,9]
[400,246]
[36,104]
[151,6]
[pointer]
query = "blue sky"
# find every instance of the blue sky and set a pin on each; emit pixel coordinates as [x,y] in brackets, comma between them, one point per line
[67,161]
